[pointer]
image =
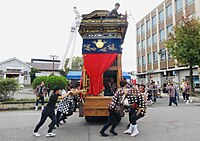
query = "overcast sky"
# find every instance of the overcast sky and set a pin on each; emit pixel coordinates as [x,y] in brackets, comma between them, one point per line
[39,28]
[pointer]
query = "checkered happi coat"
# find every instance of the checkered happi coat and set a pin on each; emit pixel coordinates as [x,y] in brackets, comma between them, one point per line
[116,99]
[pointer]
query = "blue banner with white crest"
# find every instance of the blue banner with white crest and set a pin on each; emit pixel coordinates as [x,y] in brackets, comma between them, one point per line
[100,46]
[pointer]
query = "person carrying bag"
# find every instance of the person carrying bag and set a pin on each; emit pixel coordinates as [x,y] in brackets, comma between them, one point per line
[115,109]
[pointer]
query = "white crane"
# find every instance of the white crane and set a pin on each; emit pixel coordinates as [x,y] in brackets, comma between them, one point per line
[71,40]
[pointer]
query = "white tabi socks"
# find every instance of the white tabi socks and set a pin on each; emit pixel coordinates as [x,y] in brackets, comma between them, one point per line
[135,131]
[129,130]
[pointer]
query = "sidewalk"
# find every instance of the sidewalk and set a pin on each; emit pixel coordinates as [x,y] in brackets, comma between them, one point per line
[26,93]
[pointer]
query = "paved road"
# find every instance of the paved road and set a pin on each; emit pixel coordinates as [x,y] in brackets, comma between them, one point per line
[162,123]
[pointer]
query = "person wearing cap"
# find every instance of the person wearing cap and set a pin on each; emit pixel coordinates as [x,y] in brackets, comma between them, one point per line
[48,111]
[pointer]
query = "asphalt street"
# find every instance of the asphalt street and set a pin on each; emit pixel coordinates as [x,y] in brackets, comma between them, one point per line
[161,123]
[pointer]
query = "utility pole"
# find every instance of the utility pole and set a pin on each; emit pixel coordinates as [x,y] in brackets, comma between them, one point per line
[53,57]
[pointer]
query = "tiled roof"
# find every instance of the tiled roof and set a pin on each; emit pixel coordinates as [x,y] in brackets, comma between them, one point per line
[45,66]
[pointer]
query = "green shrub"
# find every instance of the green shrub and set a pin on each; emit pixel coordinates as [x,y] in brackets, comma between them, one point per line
[56,80]
[8,87]
[37,81]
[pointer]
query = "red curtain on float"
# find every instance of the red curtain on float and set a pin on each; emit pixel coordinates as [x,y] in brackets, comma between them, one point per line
[96,65]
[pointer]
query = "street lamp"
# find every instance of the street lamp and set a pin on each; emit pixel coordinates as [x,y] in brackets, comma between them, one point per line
[163,52]
[53,57]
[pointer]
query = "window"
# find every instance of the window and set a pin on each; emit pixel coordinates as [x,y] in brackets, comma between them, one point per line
[139,61]
[169,29]
[25,72]
[189,1]
[138,31]
[169,10]
[148,25]
[154,38]
[161,16]
[143,60]
[142,29]
[153,21]
[162,55]
[138,45]
[192,15]
[162,35]
[149,58]
[143,44]
[179,5]
[148,41]
[25,77]
[14,70]
[155,57]
[169,55]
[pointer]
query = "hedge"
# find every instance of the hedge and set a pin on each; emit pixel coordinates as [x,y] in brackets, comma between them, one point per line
[37,81]
[60,81]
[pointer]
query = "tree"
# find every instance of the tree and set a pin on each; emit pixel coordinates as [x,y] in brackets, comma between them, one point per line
[184,44]
[8,87]
[77,63]
[66,69]
[32,74]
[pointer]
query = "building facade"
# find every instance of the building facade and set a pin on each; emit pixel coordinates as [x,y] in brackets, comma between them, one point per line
[15,68]
[46,67]
[153,59]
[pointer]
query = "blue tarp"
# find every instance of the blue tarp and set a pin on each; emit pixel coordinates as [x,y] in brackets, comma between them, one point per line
[126,75]
[76,75]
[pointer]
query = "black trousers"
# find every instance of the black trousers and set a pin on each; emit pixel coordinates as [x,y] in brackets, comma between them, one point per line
[46,113]
[48,92]
[172,100]
[154,95]
[113,120]
[133,117]
[185,96]
[38,100]
[61,116]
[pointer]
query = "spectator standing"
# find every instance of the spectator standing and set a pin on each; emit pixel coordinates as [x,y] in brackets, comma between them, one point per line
[48,89]
[187,91]
[40,92]
[171,92]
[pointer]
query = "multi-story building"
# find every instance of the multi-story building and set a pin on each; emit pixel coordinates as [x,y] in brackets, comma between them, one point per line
[153,59]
